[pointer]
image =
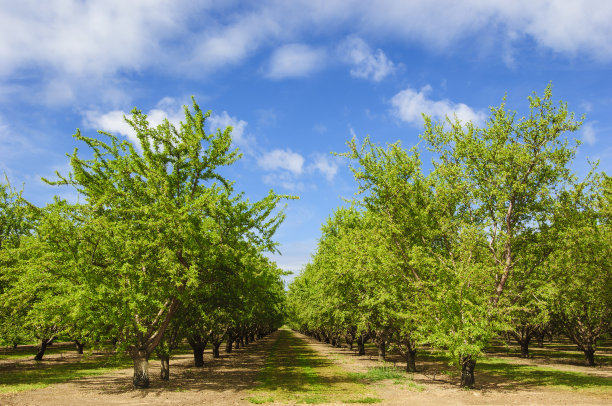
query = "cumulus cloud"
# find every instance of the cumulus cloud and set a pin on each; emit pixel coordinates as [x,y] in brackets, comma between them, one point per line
[283,179]
[224,120]
[589,135]
[324,166]
[295,60]
[365,63]
[114,121]
[282,159]
[409,105]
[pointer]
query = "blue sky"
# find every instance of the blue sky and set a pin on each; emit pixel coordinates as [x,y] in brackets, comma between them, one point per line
[296,79]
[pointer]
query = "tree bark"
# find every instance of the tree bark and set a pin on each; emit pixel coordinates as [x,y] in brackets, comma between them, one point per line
[382,350]
[164,374]
[228,345]
[79,346]
[467,372]
[141,369]
[198,352]
[589,354]
[361,346]
[524,348]
[411,361]
[215,349]
[43,347]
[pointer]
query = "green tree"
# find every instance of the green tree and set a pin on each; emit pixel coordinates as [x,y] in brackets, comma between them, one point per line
[147,239]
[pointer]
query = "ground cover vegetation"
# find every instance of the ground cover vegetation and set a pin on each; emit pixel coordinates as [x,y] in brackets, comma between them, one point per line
[159,249]
[498,239]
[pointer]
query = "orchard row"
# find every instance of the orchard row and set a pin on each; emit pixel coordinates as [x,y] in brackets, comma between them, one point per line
[160,249]
[499,238]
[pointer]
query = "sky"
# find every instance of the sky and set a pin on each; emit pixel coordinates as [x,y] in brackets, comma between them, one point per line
[295,79]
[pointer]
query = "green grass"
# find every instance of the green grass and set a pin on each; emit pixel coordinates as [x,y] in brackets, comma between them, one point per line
[295,373]
[41,374]
[367,399]
[381,373]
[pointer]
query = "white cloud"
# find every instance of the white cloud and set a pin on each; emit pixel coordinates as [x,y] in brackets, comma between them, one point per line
[114,121]
[224,120]
[325,166]
[365,63]
[295,60]
[589,134]
[283,179]
[409,105]
[282,159]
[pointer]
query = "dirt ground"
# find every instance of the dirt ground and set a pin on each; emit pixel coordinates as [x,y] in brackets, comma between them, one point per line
[228,380]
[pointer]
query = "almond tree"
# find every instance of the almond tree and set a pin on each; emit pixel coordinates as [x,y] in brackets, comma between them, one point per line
[147,234]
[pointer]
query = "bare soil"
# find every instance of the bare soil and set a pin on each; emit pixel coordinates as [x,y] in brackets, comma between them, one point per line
[228,381]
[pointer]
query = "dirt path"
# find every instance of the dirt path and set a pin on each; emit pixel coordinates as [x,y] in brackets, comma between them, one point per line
[444,390]
[222,381]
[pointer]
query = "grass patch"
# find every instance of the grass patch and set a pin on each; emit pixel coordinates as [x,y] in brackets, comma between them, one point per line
[380,373]
[260,400]
[367,399]
[293,372]
[528,375]
[42,374]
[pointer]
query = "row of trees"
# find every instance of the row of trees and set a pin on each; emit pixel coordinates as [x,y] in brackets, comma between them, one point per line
[161,249]
[498,238]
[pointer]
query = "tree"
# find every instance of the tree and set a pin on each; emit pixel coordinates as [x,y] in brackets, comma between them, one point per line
[148,237]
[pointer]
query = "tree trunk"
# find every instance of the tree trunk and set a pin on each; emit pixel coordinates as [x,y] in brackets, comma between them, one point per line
[198,354]
[165,367]
[411,361]
[228,345]
[333,342]
[589,354]
[382,350]
[361,346]
[79,346]
[141,369]
[524,348]
[237,343]
[42,348]
[467,372]
[215,349]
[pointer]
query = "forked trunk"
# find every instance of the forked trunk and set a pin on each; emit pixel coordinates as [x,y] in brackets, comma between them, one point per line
[165,367]
[467,372]
[141,369]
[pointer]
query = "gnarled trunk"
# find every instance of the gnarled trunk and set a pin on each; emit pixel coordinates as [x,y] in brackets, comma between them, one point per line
[467,372]
[164,373]
[141,369]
